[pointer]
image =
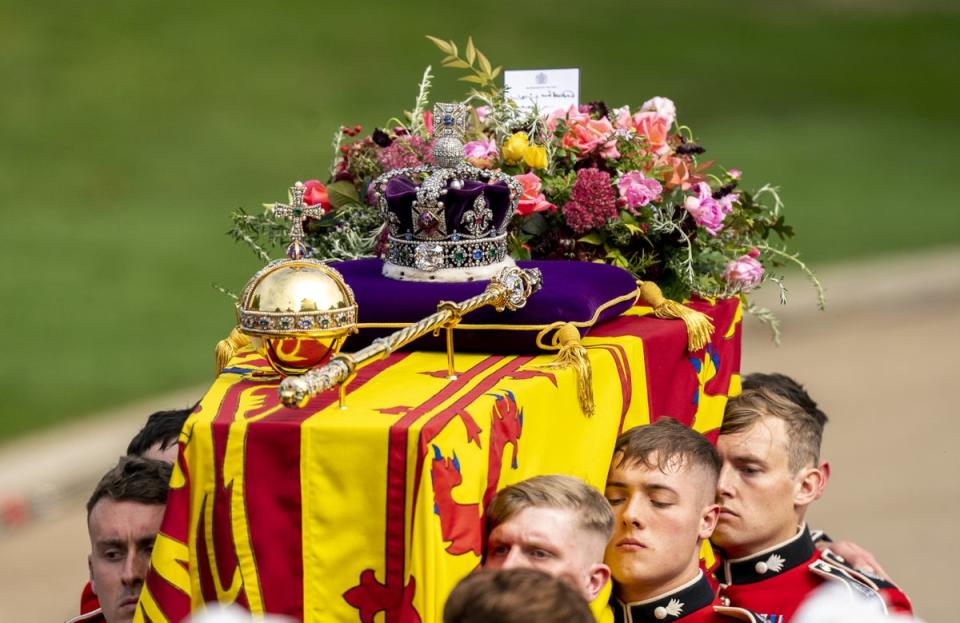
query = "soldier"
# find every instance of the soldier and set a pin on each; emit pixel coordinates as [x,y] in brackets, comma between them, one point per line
[555,524]
[771,473]
[662,486]
[123,517]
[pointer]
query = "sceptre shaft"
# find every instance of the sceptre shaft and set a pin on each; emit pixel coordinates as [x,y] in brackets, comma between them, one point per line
[508,290]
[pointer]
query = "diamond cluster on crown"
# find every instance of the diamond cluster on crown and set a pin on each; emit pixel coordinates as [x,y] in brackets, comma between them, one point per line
[429,246]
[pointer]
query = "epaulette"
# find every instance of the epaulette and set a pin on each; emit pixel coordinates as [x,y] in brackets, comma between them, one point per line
[743,614]
[875,581]
[855,581]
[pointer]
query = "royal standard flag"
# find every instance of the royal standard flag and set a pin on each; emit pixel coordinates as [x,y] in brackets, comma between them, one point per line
[374,512]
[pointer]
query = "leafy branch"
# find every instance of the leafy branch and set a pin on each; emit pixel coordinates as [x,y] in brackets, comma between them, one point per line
[481,72]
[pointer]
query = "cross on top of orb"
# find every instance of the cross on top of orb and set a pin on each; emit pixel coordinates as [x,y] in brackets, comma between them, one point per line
[297,212]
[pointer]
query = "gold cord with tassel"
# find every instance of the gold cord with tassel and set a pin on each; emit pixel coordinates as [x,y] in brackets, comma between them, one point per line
[699,326]
[572,354]
[228,347]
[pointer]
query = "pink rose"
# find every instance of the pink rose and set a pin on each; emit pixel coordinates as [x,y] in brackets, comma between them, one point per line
[316,193]
[707,211]
[482,112]
[532,200]
[592,135]
[745,273]
[652,125]
[569,115]
[483,149]
[637,190]
[662,106]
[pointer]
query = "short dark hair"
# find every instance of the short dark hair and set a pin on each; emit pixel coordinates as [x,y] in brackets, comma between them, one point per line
[133,479]
[162,427]
[515,596]
[669,440]
[788,388]
[804,430]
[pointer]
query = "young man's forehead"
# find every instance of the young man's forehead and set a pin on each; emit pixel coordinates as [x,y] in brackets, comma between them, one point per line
[764,435]
[651,464]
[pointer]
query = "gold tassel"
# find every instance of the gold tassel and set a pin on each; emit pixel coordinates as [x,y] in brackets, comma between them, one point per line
[228,347]
[573,355]
[699,326]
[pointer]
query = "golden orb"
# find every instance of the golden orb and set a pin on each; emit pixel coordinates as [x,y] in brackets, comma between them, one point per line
[297,313]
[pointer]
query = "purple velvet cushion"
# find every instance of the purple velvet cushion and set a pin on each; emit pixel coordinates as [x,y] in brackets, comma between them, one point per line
[572,292]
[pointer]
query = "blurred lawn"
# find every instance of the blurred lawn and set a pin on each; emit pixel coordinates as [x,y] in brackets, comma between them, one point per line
[129,131]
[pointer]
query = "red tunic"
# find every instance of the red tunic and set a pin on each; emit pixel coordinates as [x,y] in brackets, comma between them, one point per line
[695,602]
[775,582]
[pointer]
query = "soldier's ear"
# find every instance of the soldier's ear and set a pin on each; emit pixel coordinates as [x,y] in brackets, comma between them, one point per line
[810,485]
[825,476]
[708,520]
[93,585]
[598,577]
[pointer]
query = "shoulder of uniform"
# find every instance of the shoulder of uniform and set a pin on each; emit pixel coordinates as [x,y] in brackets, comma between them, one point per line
[856,582]
[741,614]
[873,581]
[87,617]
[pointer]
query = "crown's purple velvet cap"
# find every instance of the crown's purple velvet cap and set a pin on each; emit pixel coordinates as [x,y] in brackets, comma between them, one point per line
[401,192]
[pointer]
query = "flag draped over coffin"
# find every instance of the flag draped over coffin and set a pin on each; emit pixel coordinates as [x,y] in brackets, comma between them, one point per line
[326,514]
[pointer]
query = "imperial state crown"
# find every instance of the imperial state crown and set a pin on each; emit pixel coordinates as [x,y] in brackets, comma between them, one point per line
[447,221]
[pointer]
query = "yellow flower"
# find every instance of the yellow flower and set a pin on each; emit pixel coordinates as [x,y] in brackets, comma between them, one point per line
[535,157]
[515,147]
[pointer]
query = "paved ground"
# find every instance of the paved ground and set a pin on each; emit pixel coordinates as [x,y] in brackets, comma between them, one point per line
[881,361]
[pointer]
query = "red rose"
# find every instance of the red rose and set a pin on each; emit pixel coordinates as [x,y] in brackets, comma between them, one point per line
[316,193]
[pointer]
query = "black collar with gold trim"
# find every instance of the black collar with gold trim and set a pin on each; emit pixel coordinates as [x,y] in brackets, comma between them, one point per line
[669,607]
[770,562]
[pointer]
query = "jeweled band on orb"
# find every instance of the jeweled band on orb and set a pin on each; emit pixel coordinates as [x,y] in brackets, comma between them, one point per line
[307,323]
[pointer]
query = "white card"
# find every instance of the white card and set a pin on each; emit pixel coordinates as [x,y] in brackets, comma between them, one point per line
[548,89]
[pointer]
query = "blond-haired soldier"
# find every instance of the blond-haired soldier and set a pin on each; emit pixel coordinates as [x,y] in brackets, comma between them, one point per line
[557,524]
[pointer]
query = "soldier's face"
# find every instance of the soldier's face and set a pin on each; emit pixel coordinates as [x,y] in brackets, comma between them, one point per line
[121,542]
[757,489]
[547,539]
[661,519]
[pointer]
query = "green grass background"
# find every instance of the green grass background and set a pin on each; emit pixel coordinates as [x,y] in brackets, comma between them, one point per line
[130,130]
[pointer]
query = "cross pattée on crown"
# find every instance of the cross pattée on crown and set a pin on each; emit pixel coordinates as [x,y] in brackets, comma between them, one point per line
[297,212]
[449,119]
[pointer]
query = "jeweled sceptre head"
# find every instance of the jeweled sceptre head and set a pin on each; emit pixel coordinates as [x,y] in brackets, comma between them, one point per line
[446,222]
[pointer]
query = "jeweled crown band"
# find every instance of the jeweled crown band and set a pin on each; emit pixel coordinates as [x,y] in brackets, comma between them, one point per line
[433,255]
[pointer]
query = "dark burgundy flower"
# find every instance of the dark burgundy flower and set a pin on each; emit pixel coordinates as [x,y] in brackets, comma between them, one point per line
[381,138]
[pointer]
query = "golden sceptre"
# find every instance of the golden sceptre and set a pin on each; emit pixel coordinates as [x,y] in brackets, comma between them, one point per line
[507,290]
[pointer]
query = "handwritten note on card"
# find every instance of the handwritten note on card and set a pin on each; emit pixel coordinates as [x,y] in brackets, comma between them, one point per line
[546,89]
